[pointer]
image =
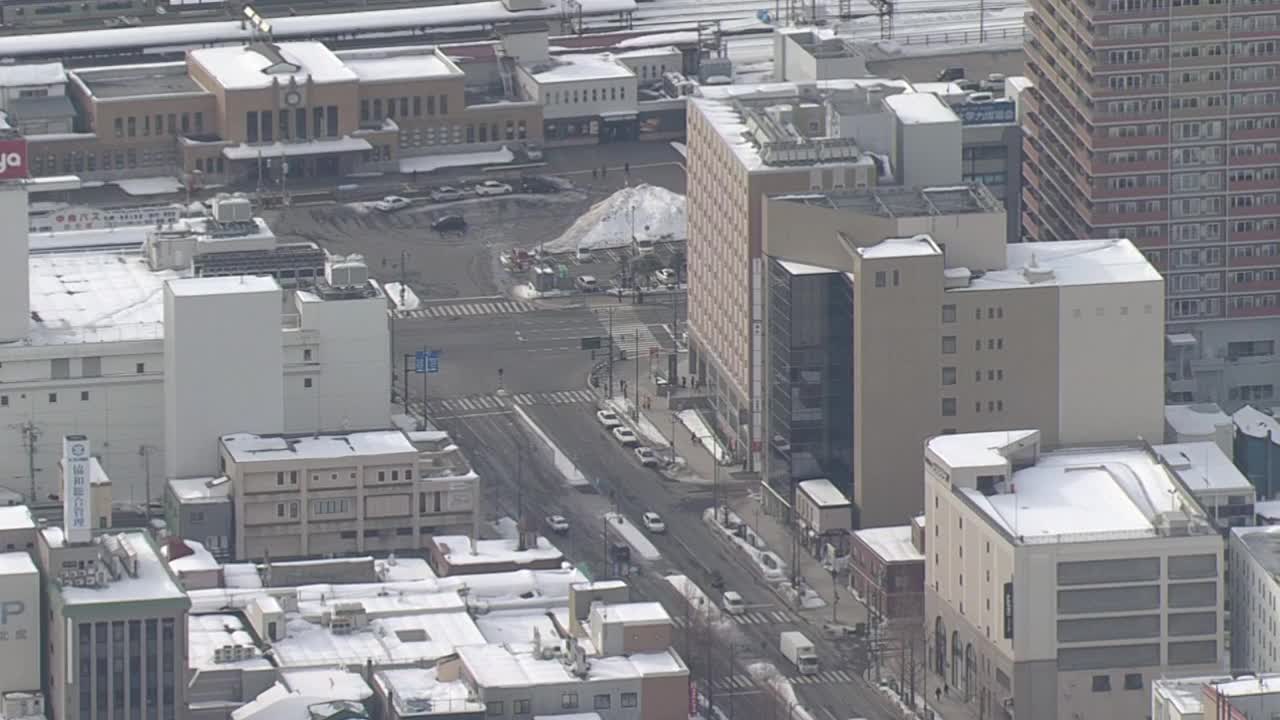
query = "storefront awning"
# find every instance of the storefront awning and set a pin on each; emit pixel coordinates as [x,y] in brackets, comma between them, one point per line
[294,149]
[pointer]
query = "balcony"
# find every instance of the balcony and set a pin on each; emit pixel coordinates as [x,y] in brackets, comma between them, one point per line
[1131,218]
[1254,160]
[1246,236]
[1255,211]
[1153,242]
[1030,201]
[1261,185]
[1101,40]
[1100,167]
[1103,15]
[1119,118]
[1198,112]
[1255,134]
[1103,91]
[1252,261]
[1266,311]
[1255,286]
[1139,141]
[1246,110]
[1202,36]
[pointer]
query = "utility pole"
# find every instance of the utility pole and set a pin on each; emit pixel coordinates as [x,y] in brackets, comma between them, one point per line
[30,435]
[635,415]
[611,353]
[520,520]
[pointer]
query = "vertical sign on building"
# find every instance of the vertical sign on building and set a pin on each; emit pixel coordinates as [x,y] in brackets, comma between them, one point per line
[1008,611]
[75,492]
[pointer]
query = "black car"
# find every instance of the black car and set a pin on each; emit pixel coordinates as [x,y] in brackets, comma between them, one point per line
[539,185]
[950,74]
[449,223]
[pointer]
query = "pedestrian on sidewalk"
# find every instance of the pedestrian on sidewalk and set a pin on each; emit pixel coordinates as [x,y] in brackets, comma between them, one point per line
[604,171]
[626,168]
[595,174]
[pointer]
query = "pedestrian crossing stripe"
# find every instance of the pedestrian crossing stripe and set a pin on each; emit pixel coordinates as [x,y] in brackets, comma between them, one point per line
[828,677]
[734,682]
[497,307]
[480,403]
[556,397]
[760,617]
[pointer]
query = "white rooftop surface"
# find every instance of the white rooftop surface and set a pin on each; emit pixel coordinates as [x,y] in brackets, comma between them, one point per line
[198,490]
[95,297]
[1073,262]
[17,563]
[799,268]
[328,683]
[1185,694]
[237,67]
[153,582]
[1253,422]
[635,613]
[418,690]
[497,666]
[1198,419]
[1203,466]
[656,51]
[920,108]
[247,447]
[976,449]
[824,493]
[404,569]
[1081,491]
[892,544]
[577,68]
[515,628]
[574,716]
[1269,509]
[32,74]
[206,633]
[918,246]
[199,560]
[230,285]
[343,144]
[16,517]
[424,636]
[1254,685]
[457,549]
[382,67]
[301,26]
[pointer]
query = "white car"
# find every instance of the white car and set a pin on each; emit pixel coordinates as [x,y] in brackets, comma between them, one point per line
[609,419]
[558,524]
[647,456]
[391,203]
[665,276]
[446,194]
[653,522]
[733,603]
[626,436]
[493,187]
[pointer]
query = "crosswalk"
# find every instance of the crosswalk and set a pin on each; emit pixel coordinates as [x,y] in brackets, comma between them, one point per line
[487,403]
[759,617]
[485,307]
[734,682]
[826,677]
[626,326]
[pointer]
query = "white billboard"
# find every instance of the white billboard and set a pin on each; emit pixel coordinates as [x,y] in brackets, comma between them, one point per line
[19,626]
[75,491]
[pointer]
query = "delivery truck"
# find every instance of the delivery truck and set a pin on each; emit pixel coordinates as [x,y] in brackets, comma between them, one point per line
[797,648]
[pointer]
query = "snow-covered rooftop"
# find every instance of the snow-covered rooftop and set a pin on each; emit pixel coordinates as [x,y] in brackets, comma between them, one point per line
[1256,424]
[1263,545]
[32,74]
[247,447]
[332,683]
[1202,466]
[497,666]
[799,268]
[199,560]
[515,628]
[920,108]
[256,66]
[638,613]
[296,148]
[385,65]
[153,581]
[201,489]
[1068,262]
[387,639]
[227,285]
[917,246]
[578,68]
[95,297]
[1101,493]
[419,690]
[824,493]
[457,550]
[207,633]
[16,517]
[892,544]
[1198,419]
[17,563]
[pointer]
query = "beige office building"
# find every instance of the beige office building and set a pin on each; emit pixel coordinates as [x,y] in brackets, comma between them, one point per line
[874,345]
[1061,584]
[339,494]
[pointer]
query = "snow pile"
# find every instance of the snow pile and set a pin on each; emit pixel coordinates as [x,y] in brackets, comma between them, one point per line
[633,535]
[753,546]
[693,422]
[768,675]
[410,298]
[652,212]
[427,163]
[149,185]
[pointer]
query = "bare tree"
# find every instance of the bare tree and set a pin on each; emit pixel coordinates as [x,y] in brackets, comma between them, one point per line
[904,655]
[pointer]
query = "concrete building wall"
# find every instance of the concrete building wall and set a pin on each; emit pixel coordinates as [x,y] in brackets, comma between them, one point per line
[352,386]
[20,624]
[15,299]
[926,153]
[1098,398]
[222,367]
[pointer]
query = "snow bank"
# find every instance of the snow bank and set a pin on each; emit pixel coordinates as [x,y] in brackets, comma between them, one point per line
[693,422]
[767,562]
[410,302]
[680,148]
[149,185]
[633,535]
[563,464]
[767,674]
[427,163]
[652,435]
[652,212]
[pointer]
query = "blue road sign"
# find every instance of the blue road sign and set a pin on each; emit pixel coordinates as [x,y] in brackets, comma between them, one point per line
[433,361]
[420,361]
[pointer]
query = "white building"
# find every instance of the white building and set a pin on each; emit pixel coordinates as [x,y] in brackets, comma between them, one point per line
[1250,697]
[1199,422]
[1060,584]
[1253,593]
[1226,495]
[591,97]
[94,338]
[20,623]
[33,98]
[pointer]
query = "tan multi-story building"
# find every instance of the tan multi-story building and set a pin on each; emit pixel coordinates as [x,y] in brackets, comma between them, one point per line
[360,492]
[1061,584]
[261,110]
[1157,121]
[874,345]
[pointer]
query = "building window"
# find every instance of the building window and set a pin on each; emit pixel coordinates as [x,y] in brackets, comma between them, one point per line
[53,398]
[948,376]
[330,506]
[895,278]
[331,120]
[251,126]
[949,345]
[306,382]
[1102,683]
[199,121]
[629,700]
[444,110]
[140,368]
[306,355]
[119,127]
[520,707]
[1133,681]
[84,395]
[948,313]
[882,278]
[417,106]
[948,407]
[569,700]
[603,702]
[4,401]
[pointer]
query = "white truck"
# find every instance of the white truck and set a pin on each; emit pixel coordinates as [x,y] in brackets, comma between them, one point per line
[797,648]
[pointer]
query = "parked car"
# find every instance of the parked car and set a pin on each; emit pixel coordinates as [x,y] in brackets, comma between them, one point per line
[733,604]
[585,255]
[609,419]
[558,524]
[951,74]
[533,151]
[586,284]
[665,276]
[653,522]
[391,203]
[449,223]
[541,185]
[446,194]
[626,436]
[647,456]
[493,187]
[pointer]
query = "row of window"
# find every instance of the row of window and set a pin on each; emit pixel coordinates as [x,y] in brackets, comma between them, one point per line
[170,124]
[291,477]
[949,375]
[376,109]
[949,406]
[261,126]
[80,161]
[53,398]
[211,166]
[992,313]
[575,96]
[417,137]
[1132,681]
[1212,307]
[568,701]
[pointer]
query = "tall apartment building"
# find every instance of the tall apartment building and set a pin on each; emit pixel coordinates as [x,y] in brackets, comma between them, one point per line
[1060,584]
[1156,120]
[874,345]
[1253,590]
[299,496]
